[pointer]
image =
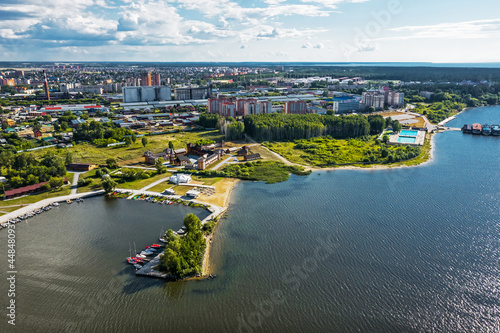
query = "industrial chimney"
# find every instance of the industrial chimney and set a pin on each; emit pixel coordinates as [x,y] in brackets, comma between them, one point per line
[46,85]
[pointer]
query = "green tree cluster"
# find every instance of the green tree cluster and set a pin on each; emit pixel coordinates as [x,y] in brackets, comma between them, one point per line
[24,169]
[183,255]
[279,127]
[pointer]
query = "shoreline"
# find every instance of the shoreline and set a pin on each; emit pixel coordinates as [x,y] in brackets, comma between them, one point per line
[205,269]
[372,167]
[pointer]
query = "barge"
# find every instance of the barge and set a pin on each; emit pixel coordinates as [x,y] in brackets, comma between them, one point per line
[495,130]
[476,129]
[486,129]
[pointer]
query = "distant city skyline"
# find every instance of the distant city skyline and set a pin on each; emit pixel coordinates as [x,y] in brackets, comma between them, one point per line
[266,30]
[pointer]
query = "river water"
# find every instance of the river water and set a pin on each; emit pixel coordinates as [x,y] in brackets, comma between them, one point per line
[402,250]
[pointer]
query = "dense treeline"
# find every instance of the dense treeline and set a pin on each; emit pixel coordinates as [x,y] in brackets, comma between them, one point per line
[468,94]
[209,120]
[278,126]
[414,73]
[100,134]
[183,255]
[448,99]
[25,169]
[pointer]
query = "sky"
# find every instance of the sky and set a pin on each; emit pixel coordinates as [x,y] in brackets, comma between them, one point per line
[441,31]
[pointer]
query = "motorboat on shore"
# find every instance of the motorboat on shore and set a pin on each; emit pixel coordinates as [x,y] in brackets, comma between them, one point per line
[55,204]
[69,201]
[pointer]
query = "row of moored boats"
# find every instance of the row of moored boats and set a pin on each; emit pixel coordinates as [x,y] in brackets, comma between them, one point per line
[138,260]
[482,129]
[151,198]
[29,215]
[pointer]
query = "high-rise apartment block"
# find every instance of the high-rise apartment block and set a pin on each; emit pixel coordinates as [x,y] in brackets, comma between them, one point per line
[146,79]
[295,107]
[238,107]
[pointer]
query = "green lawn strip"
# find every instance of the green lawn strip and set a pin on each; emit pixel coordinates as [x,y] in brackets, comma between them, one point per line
[140,183]
[29,199]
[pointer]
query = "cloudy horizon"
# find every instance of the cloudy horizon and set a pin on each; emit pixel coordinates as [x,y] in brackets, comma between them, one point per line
[243,31]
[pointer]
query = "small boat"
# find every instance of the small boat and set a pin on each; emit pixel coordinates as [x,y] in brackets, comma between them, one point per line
[55,204]
[69,201]
[131,260]
[155,246]
[140,255]
[137,266]
[162,239]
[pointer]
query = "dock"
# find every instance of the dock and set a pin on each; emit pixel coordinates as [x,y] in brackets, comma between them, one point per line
[148,269]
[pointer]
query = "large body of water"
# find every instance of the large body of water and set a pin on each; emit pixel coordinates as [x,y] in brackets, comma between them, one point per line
[402,250]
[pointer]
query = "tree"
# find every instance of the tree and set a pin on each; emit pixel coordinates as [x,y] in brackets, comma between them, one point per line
[192,223]
[385,138]
[144,141]
[128,141]
[396,126]
[111,163]
[16,181]
[134,138]
[57,127]
[37,127]
[330,112]
[45,187]
[69,158]
[64,126]
[56,182]
[108,184]
[160,168]
[171,144]
[371,109]
[32,179]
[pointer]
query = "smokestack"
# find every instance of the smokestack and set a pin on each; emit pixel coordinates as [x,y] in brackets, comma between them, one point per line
[46,85]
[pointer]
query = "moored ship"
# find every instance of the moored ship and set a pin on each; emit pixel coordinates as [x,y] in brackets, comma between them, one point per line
[495,130]
[486,129]
[467,128]
[476,128]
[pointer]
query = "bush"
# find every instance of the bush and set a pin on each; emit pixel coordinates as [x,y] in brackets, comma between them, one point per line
[84,182]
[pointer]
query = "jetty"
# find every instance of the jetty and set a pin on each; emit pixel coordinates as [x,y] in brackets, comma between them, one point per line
[148,269]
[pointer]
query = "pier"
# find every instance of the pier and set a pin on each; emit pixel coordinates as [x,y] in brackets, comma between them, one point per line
[148,269]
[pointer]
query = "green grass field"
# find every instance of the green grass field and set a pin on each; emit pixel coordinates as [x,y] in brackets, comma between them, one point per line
[324,151]
[88,153]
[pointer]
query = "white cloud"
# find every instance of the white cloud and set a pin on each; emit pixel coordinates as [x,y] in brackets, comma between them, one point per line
[319,46]
[225,9]
[333,3]
[307,45]
[458,30]
[367,48]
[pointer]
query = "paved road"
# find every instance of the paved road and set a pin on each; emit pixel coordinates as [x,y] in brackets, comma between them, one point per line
[430,127]
[227,160]
[74,184]
[147,187]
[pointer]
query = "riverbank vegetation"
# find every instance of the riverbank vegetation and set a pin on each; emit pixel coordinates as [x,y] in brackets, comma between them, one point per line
[447,99]
[327,151]
[268,171]
[183,256]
